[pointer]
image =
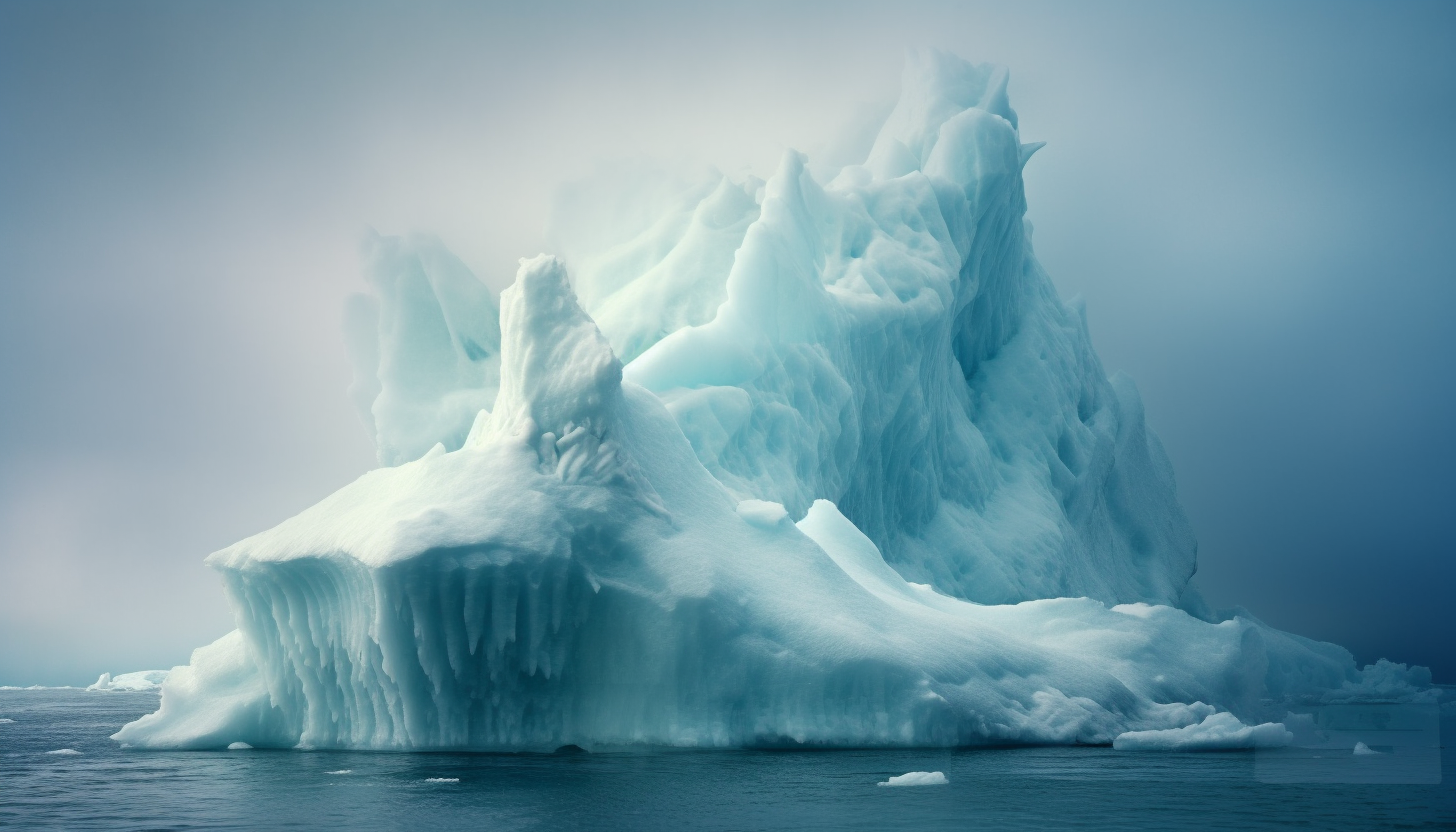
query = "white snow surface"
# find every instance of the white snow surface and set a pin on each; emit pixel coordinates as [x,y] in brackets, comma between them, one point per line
[1217,732]
[863,481]
[141,680]
[917,778]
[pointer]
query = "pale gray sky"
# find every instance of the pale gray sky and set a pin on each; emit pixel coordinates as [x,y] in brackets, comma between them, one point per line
[1256,201]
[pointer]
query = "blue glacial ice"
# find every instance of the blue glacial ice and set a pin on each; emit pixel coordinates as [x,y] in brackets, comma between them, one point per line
[822,460]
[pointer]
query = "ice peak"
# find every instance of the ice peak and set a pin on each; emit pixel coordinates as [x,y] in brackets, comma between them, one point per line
[558,373]
[936,86]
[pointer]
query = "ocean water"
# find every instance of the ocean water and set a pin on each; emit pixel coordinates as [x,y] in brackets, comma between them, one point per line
[105,787]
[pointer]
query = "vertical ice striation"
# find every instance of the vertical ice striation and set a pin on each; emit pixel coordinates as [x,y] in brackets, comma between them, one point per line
[861,481]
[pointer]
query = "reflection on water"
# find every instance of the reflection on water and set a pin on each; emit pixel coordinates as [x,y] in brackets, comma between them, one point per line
[1023,788]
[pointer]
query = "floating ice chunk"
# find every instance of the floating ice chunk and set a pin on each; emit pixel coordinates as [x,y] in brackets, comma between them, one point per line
[6,721]
[1363,750]
[762,513]
[1387,681]
[442,779]
[64,752]
[141,680]
[917,778]
[341,771]
[1217,732]
[239,746]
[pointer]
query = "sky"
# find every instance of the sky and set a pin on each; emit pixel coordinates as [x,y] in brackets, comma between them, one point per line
[1257,202]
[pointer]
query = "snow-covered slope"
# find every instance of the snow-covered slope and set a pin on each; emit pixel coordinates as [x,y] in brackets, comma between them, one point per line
[863,481]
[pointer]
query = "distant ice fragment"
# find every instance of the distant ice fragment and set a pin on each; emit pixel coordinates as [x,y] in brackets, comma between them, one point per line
[1217,732]
[64,752]
[239,746]
[341,771]
[1363,750]
[917,778]
[6,721]
[141,680]
[1386,681]
[442,779]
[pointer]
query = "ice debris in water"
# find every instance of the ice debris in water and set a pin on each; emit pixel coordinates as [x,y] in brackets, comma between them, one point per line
[6,721]
[64,752]
[1217,732]
[1386,681]
[239,746]
[141,680]
[442,779]
[1363,750]
[917,778]
[846,379]
[341,771]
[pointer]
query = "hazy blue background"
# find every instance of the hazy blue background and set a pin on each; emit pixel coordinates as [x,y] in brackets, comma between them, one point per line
[1256,201]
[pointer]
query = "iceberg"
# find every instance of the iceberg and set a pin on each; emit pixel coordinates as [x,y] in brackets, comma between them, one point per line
[817,461]
[1217,732]
[141,680]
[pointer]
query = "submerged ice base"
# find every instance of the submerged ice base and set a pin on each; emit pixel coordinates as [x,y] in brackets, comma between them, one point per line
[863,481]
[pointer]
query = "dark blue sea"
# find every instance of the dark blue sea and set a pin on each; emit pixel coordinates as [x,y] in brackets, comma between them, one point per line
[105,787]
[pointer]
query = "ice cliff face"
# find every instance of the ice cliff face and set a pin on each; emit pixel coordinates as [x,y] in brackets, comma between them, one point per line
[862,480]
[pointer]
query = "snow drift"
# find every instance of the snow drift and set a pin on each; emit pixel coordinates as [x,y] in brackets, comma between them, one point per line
[862,480]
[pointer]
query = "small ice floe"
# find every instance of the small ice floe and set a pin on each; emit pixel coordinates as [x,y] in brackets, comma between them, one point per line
[917,778]
[239,746]
[442,779]
[6,721]
[141,680]
[1363,750]
[64,752]
[1217,732]
[341,771]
